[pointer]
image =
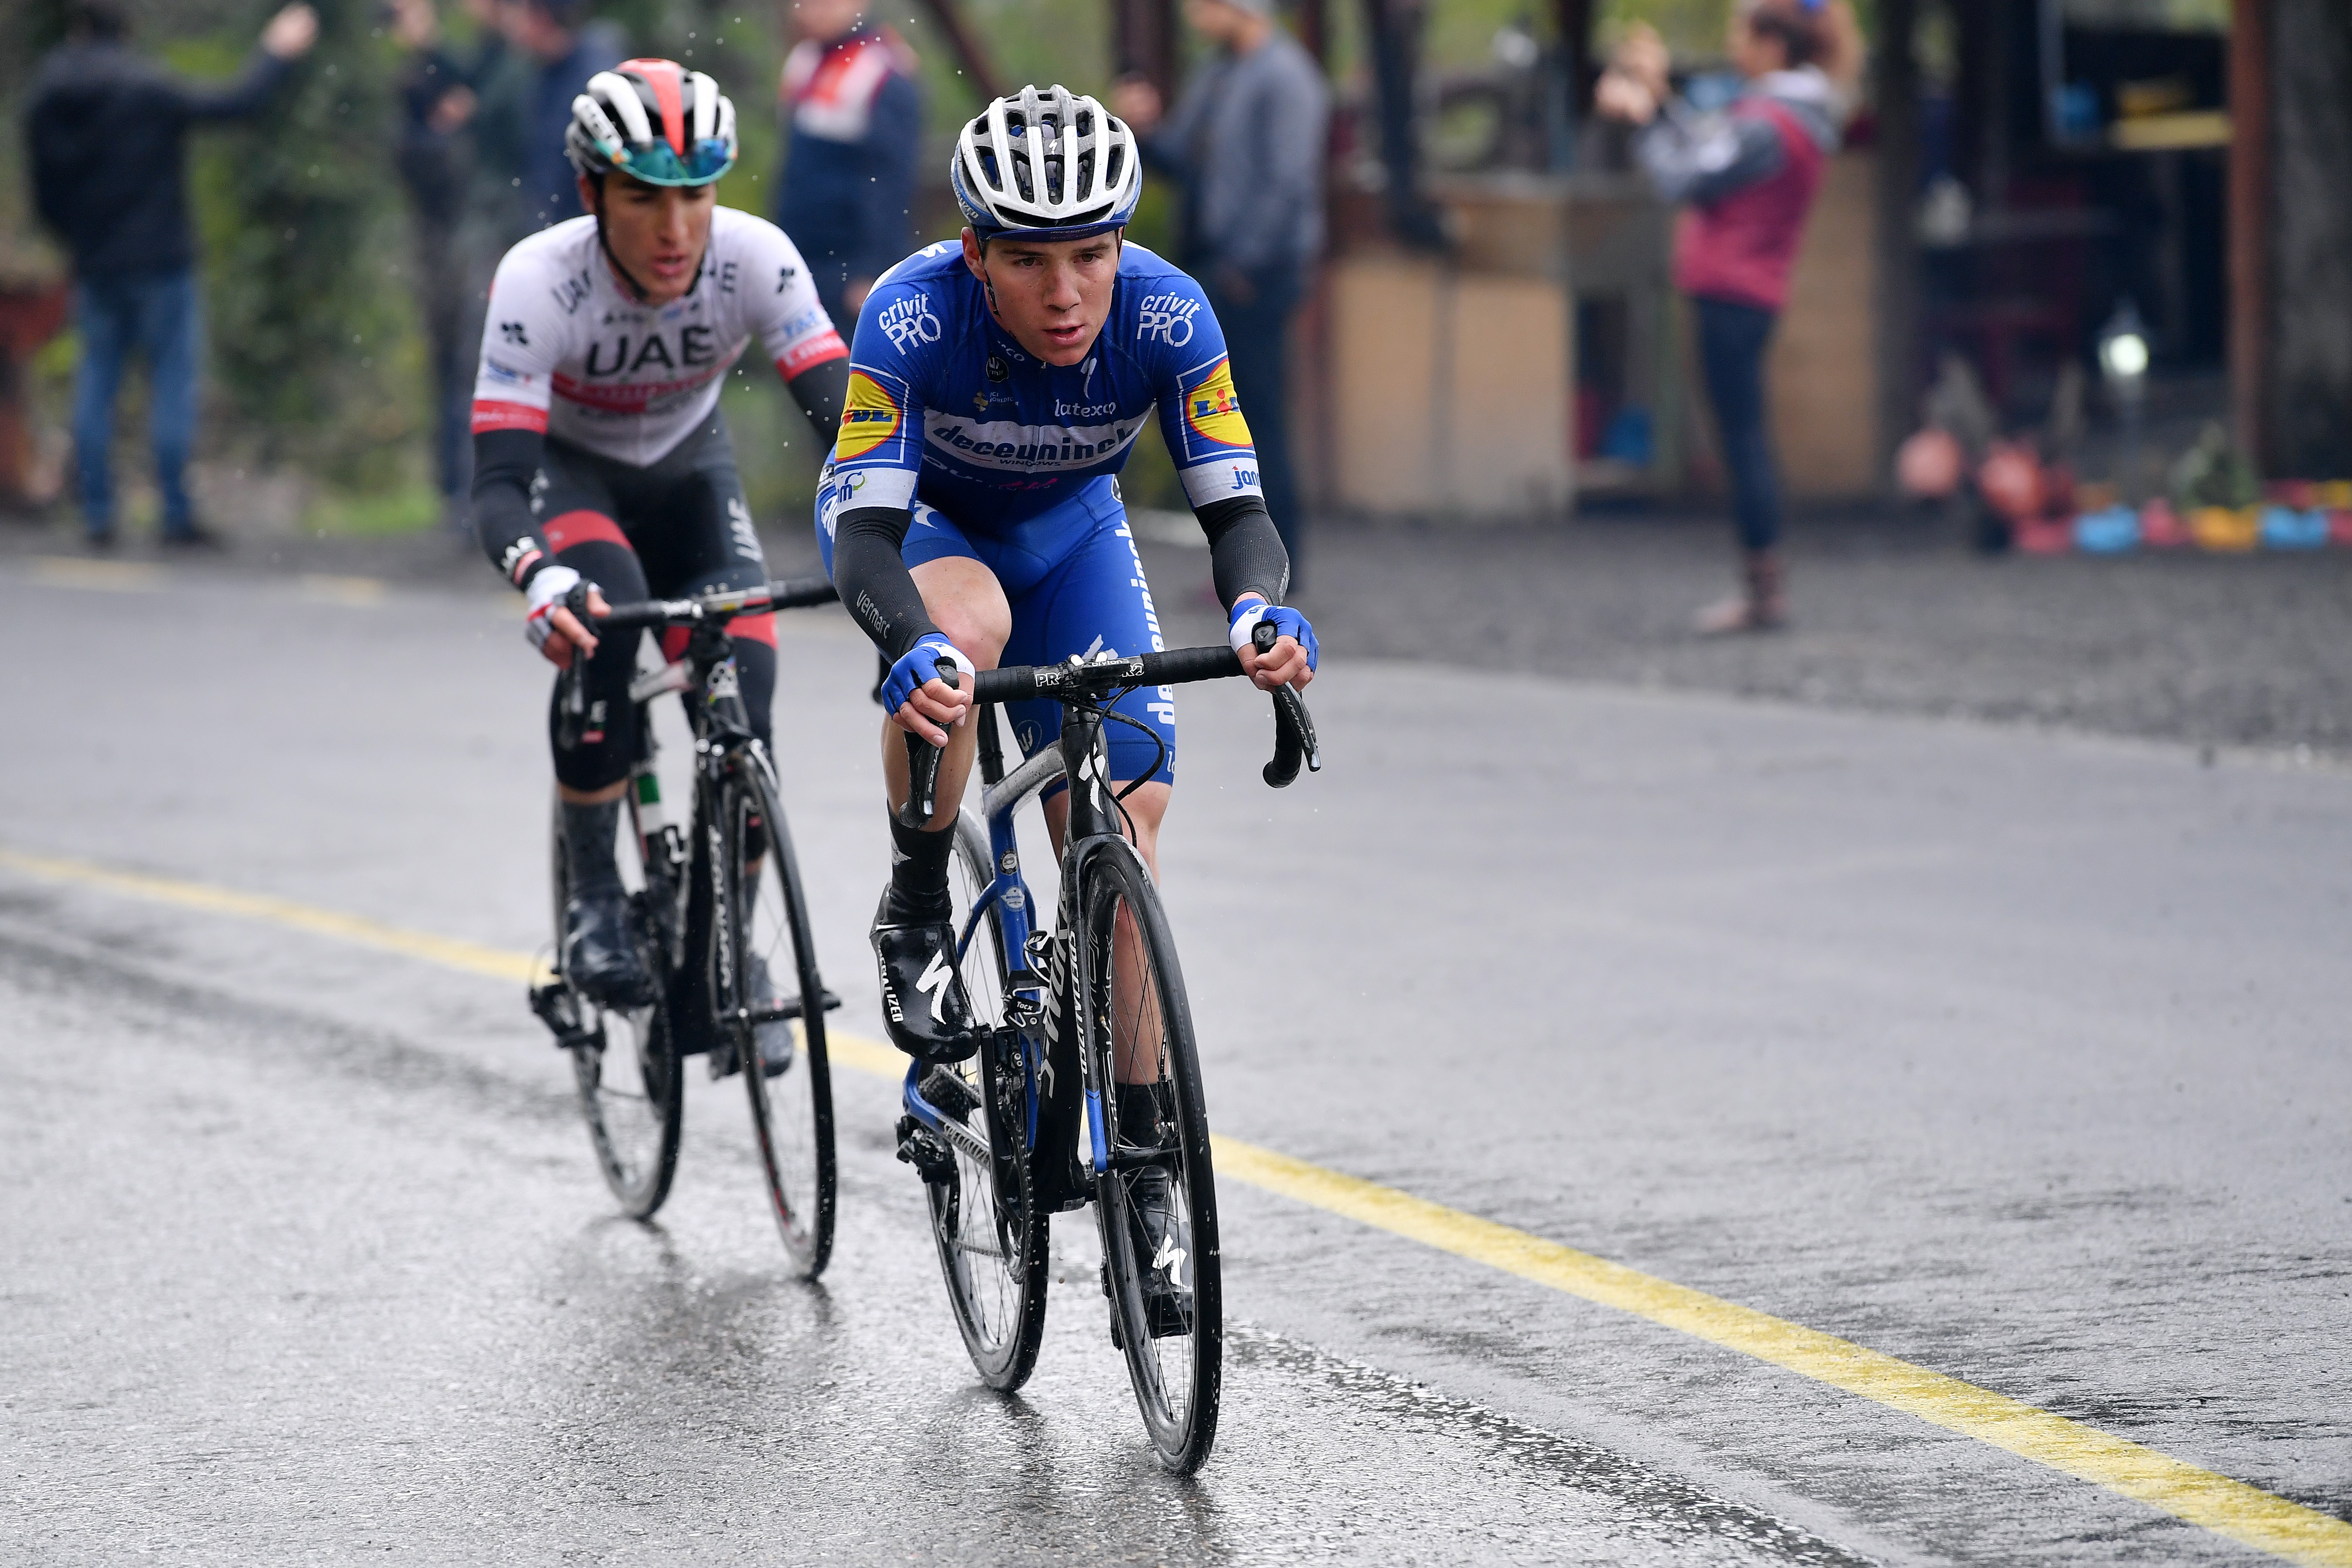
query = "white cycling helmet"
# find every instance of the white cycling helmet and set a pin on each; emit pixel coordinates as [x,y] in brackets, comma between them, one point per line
[1047,164]
[653,120]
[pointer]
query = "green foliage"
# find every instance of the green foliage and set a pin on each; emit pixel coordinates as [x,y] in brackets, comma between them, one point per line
[312,337]
[2214,473]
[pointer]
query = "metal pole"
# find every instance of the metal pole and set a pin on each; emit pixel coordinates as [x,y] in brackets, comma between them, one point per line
[2250,202]
[978,70]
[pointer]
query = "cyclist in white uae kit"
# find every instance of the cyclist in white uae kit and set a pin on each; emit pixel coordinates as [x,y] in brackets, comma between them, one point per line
[602,463]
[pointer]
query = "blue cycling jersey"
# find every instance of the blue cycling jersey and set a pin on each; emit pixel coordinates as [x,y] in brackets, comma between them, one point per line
[944,407]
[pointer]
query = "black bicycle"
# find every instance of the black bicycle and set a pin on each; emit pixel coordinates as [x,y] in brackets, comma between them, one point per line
[1033,1124]
[722,926]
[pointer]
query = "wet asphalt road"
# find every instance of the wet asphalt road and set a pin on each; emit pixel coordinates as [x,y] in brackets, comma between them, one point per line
[2021,1056]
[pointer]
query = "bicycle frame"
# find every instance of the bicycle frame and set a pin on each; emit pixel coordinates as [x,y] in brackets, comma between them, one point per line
[678,871]
[1033,1002]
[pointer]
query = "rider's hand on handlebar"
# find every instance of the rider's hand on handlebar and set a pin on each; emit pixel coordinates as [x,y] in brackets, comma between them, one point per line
[920,702]
[549,622]
[1290,661]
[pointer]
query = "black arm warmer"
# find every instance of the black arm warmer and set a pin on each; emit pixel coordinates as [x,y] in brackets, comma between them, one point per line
[875,587]
[505,463]
[1245,554]
[821,390]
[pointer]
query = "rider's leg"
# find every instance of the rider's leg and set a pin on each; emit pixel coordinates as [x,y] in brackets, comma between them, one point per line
[1100,600]
[1136,1028]
[600,954]
[965,600]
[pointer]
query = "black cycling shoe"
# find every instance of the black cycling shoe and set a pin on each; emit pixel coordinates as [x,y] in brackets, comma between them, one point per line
[922,995]
[600,950]
[1164,1250]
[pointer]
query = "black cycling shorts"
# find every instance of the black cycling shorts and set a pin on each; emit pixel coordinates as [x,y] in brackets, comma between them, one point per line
[675,527]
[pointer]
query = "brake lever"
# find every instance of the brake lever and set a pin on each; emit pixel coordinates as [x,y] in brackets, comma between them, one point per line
[923,767]
[1294,730]
[571,703]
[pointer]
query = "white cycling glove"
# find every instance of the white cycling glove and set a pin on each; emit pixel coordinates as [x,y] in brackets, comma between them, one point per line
[548,588]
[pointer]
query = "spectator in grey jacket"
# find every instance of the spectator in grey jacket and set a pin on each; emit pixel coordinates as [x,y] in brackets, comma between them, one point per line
[108,134]
[1245,145]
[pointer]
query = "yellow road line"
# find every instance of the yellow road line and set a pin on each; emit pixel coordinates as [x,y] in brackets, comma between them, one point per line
[2227,1508]
[329,588]
[447,951]
[108,576]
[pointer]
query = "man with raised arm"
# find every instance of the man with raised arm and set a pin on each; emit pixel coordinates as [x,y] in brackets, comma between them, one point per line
[971,516]
[600,454]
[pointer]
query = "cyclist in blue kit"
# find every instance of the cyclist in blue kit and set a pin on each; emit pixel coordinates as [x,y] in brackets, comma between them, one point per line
[970,514]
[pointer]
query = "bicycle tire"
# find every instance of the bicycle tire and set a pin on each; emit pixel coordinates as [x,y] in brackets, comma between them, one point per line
[634,1116]
[995,1274]
[765,928]
[1177,1364]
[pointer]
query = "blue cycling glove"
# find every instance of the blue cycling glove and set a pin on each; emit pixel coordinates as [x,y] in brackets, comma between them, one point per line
[1285,622]
[919,665]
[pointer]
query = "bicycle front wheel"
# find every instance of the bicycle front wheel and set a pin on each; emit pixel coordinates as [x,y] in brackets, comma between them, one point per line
[625,1067]
[991,1237]
[1156,1202]
[768,999]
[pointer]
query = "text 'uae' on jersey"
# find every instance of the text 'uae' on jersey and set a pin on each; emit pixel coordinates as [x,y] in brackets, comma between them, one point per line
[944,405]
[567,351]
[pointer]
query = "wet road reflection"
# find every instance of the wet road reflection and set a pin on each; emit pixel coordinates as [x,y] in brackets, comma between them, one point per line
[293,1292]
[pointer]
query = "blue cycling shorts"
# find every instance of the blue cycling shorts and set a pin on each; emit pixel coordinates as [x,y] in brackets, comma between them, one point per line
[1076,587]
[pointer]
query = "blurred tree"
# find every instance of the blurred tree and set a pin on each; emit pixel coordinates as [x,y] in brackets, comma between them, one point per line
[302,218]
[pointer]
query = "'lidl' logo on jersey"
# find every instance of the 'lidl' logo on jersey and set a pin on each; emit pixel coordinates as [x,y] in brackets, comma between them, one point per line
[1214,412]
[868,419]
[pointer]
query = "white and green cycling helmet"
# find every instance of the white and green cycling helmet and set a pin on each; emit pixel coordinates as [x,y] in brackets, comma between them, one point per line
[653,120]
[1046,163]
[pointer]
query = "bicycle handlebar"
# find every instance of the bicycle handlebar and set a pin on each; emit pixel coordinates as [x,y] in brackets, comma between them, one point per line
[792,593]
[571,703]
[1293,729]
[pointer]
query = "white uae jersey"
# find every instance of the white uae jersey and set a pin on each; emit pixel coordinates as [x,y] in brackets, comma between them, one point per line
[567,351]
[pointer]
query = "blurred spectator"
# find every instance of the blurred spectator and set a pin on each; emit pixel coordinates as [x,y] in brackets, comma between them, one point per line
[560,50]
[1750,174]
[1245,145]
[854,116]
[437,99]
[107,132]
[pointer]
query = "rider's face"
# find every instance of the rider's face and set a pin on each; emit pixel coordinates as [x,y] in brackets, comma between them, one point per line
[658,232]
[1051,296]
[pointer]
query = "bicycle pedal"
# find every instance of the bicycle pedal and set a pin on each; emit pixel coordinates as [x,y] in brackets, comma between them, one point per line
[559,1009]
[921,1147]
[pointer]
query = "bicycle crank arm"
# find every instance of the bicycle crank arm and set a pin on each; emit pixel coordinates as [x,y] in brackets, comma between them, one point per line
[789,1008]
[1143,1159]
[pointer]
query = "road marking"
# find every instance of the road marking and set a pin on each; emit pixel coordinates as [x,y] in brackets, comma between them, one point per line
[447,951]
[106,576]
[334,590]
[2243,1513]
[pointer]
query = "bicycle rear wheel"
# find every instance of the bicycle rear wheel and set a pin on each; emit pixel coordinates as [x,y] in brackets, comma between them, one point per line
[991,1239]
[1134,1017]
[625,1067]
[764,985]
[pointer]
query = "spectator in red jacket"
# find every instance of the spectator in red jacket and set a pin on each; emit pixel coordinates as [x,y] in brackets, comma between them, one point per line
[1747,176]
[854,116]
